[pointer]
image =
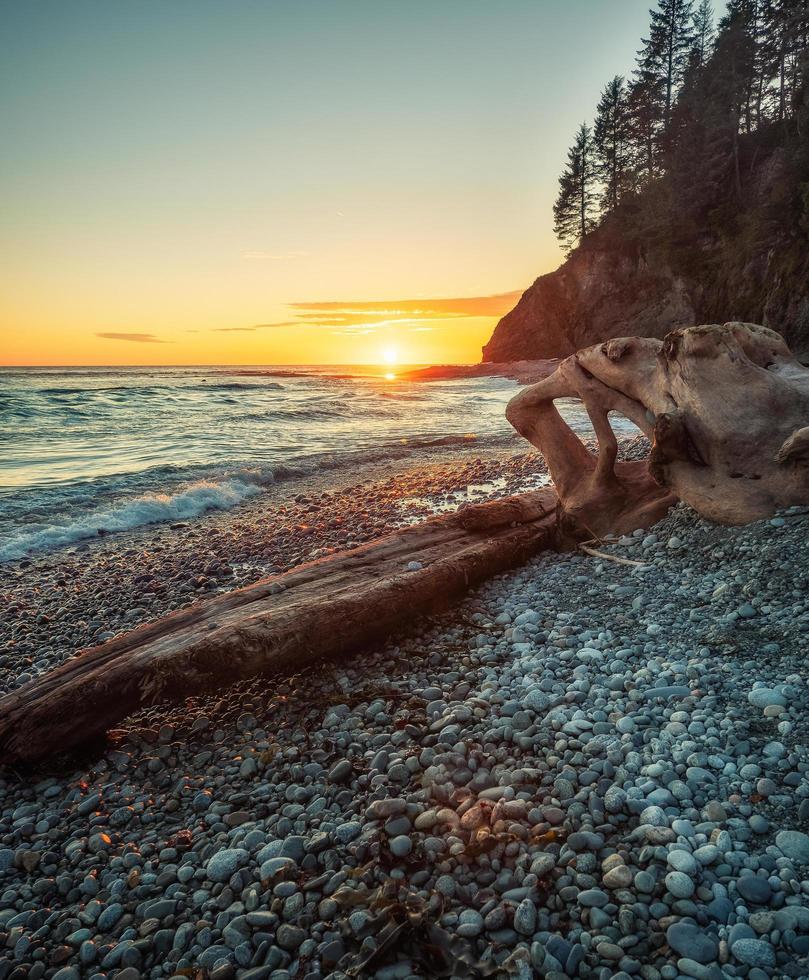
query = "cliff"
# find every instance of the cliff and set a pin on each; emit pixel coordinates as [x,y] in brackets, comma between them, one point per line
[643,276]
[594,295]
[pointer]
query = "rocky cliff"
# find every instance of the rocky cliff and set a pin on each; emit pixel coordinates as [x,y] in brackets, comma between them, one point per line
[751,266]
[595,295]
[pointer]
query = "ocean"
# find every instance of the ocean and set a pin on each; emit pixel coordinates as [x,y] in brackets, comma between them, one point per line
[90,451]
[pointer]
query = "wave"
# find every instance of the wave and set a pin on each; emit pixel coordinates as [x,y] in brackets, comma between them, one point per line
[147,509]
[401,396]
[167,390]
[52,529]
[238,386]
[463,440]
[294,373]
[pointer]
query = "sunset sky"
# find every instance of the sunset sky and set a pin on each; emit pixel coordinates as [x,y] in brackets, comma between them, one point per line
[186,181]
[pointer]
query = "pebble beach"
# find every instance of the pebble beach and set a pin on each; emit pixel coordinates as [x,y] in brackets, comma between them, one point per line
[586,769]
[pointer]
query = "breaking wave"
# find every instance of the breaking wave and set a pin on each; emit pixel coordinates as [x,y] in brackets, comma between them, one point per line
[152,508]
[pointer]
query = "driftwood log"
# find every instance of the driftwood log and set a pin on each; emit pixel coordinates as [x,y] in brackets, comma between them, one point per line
[324,608]
[726,408]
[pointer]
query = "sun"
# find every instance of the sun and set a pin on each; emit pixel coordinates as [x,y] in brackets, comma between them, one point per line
[389,355]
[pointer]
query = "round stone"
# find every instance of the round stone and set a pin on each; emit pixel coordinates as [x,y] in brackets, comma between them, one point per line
[470,924]
[401,846]
[340,771]
[754,889]
[346,832]
[525,917]
[618,877]
[761,697]
[692,941]
[225,863]
[679,884]
[593,898]
[682,861]
[654,816]
[794,845]
[754,952]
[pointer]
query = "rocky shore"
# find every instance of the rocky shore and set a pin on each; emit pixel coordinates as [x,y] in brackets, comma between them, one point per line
[588,769]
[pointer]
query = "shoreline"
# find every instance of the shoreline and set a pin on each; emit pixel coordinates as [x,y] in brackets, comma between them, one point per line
[59,602]
[523,372]
[111,583]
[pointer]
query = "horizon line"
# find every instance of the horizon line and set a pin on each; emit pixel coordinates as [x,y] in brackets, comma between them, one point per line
[25,367]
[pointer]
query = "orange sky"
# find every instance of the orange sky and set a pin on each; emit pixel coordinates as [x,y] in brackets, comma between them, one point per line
[423,331]
[254,183]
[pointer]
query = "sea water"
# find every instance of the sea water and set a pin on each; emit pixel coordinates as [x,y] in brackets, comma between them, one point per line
[89,451]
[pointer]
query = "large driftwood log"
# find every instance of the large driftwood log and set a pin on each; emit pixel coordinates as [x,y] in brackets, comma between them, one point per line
[324,608]
[726,408]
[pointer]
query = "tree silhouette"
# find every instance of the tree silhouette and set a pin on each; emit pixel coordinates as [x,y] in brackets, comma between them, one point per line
[575,207]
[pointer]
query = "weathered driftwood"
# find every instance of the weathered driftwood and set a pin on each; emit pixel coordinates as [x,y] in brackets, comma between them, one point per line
[726,408]
[324,608]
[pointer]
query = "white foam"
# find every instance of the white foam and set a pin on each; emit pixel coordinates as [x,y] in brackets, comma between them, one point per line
[148,509]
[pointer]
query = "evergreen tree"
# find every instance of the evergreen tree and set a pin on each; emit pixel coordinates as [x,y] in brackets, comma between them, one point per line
[788,34]
[703,31]
[574,209]
[644,127]
[732,77]
[665,53]
[611,142]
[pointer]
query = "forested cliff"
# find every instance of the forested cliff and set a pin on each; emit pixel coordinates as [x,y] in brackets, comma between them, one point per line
[687,201]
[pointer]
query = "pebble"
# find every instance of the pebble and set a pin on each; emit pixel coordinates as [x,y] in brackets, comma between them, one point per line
[691,941]
[679,884]
[793,844]
[224,863]
[753,952]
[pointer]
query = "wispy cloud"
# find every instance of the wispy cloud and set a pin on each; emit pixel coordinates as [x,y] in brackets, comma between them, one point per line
[256,326]
[370,316]
[259,255]
[496,304]
[138,338]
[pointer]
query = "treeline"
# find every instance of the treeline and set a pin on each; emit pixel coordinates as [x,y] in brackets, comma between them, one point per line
[676,129]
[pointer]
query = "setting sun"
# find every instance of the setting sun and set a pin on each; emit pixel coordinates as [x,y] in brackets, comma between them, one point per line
[389,355]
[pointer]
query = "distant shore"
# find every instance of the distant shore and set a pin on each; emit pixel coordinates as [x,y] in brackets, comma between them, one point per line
[524,372]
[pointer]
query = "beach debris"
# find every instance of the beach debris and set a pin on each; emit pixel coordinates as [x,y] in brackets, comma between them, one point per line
[727,409]
[324,608]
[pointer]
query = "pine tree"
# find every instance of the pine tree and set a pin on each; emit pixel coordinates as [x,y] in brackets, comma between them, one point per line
[644,127]
[786,31]
[665,52]
[611,142]
[700,163]
[732,77]
[574,209]
[703,31]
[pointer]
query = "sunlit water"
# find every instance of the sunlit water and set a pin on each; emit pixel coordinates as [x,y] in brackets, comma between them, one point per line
[85,451]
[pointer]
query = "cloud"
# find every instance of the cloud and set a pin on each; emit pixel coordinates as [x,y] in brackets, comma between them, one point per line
[496,304]
[368,316]
[256,326]
[375,317]
[138,338]
[258,255]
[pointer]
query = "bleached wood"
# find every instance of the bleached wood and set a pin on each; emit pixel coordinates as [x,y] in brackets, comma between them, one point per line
[326,608]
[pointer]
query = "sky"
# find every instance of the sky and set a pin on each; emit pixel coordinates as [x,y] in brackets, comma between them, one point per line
[285,181]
